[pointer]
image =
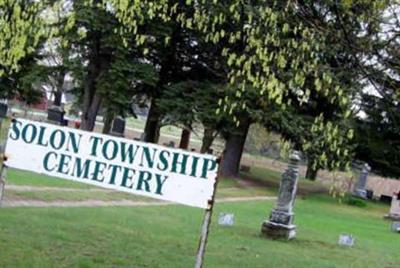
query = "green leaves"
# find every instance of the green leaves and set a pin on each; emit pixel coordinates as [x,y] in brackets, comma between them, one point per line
[21,27]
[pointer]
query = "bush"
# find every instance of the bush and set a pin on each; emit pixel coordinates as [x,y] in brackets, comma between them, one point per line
[355,201]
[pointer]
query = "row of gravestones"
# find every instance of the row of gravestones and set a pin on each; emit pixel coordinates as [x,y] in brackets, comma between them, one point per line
[280,223]
[55,115]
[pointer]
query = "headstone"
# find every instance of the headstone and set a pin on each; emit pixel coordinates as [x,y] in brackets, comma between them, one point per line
[359,190]
[396,226]
[394,213]
[346,240]
[280,223]
[370,194]
[118,127]
[385,199]
[3,110]
[171,144]
[55,115]
[226,219]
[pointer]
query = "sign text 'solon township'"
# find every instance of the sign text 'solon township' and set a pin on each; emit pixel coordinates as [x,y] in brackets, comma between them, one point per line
[112,162]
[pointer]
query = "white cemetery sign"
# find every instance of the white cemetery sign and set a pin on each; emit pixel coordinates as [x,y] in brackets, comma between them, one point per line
[111,162]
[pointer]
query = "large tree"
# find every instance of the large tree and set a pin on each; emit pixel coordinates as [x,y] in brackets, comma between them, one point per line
[378,125]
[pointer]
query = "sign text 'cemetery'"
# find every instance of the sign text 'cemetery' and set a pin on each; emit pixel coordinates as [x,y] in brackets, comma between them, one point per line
[112,162]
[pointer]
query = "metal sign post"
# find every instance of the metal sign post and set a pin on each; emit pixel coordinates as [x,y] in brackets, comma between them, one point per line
[205,228]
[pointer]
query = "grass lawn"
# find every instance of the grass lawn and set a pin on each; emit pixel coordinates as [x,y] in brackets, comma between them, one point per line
[168,237]
[49,196]
[20,177]
[226,188]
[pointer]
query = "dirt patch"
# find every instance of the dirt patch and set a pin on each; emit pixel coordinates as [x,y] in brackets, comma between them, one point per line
[301,190]
[119,203]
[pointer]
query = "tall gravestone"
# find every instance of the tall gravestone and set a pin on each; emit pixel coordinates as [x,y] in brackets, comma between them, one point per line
[360,187]
[118,127]
[280,223]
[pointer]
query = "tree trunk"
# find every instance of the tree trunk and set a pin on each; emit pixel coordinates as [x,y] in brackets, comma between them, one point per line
[311,172]
[168,71]
[99,62]
[89,114]
[233,150]
[57,98]
[59,89]
[208,139]
[152,128]
[185,139]
[108,119]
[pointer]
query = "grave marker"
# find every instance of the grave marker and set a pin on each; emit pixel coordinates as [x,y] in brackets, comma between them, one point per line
[394,213]
[55,115]
[396,226]
[280,223]
[118,127]
[226,219]
[346,240]
[359,190]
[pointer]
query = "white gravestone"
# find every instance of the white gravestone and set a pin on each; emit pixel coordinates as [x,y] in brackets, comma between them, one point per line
[226,219]
[346,240]
[396,226]
[395,208]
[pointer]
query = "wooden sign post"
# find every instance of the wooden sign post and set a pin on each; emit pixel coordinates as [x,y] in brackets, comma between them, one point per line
[205,228]
[3,168]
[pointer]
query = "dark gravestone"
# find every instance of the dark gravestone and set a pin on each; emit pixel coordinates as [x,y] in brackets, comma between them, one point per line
[118,127]
[171,144]
[55,115]
[385,199]
[3,110]
[370,194]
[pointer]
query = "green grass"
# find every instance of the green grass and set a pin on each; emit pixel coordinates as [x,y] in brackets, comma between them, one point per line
[168,237]
[140,124]
[19,177]
[72,196]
